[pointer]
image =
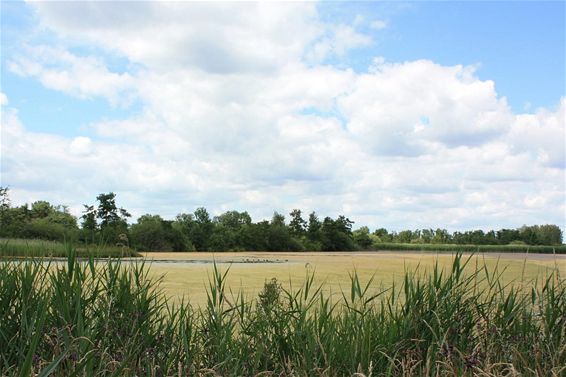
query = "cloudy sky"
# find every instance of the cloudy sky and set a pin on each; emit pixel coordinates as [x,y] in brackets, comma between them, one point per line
[402,115]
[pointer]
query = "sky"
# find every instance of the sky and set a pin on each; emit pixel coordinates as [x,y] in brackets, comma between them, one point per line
[400,115]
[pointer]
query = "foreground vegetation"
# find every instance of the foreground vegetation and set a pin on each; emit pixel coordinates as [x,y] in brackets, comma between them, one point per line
[112,319]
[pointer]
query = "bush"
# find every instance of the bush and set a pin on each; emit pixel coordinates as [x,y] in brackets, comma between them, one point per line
[152,233]
[47,230]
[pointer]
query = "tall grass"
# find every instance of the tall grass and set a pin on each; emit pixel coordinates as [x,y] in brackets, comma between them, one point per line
[110,319]
[13,247]
[535,249]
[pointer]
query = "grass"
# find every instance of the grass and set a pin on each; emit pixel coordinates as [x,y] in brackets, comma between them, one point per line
[188,280]
[13,247]
[542,249]
[113,319]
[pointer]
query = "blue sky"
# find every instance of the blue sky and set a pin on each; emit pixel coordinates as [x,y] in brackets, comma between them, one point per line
[520,45]
[386,87]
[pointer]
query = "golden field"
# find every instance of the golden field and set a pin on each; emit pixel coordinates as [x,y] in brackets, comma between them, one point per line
[185,275]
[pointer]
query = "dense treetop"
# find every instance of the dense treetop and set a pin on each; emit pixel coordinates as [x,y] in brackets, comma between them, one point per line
[233,230]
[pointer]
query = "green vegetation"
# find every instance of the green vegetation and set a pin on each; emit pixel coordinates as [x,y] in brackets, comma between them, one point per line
[511,248]
[106,223]
[111,319]
[38,248]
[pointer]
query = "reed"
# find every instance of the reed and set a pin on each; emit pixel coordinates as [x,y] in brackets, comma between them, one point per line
[13,247]
[535,249]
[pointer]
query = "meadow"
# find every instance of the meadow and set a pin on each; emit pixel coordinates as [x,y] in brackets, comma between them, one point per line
[185,275]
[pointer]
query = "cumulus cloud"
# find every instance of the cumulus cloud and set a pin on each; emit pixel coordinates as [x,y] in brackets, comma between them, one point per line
[408,108]
[541,135]
[214,37]
[239,113]
[84,77]
[81,146]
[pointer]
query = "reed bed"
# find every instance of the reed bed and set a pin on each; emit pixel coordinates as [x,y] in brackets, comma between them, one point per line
[14,247]
[535,249]
[111,319]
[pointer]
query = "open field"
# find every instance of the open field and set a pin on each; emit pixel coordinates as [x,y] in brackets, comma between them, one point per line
[185,275]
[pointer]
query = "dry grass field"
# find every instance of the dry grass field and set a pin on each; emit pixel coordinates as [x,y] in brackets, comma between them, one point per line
[185,275]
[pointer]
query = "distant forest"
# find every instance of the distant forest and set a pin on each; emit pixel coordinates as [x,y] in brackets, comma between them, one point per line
[105,222]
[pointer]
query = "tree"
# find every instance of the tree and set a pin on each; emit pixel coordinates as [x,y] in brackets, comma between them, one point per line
[404,236]
[113,220]
[108,213]
[297,225]
[382,235]
[441,236]
[40,209]
[362,237]
[152,233]
[549,234]
[202,229]
[4,208]
[337,234]
[278,219]
[313,227]
[506,236]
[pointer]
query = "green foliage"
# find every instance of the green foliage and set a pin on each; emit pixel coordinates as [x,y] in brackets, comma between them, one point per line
[106,223]
[362,238]
[43,220]
[297,225]
[40,248]
[152,233]
[202,229]
[313,228]
[45,230]
[336,234]
[511,248]
[279,237]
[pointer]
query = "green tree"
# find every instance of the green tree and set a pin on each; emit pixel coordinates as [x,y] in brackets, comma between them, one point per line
[113,220]
[441,236]
[313,227]
[337,234]
[506,236]
[383,235]
[108,213]
[297,225]
[202,230]
[362,237]
[549,234]
[152,233]
[404,236]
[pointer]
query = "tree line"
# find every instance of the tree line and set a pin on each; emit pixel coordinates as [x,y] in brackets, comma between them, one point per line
[106,222]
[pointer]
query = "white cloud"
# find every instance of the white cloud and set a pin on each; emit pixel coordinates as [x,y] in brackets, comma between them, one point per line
[84,77]
[409,108]
[378,24]
[541,135]
[3,99]
[214,37]
[234,118]
[339,39]
[81,146]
